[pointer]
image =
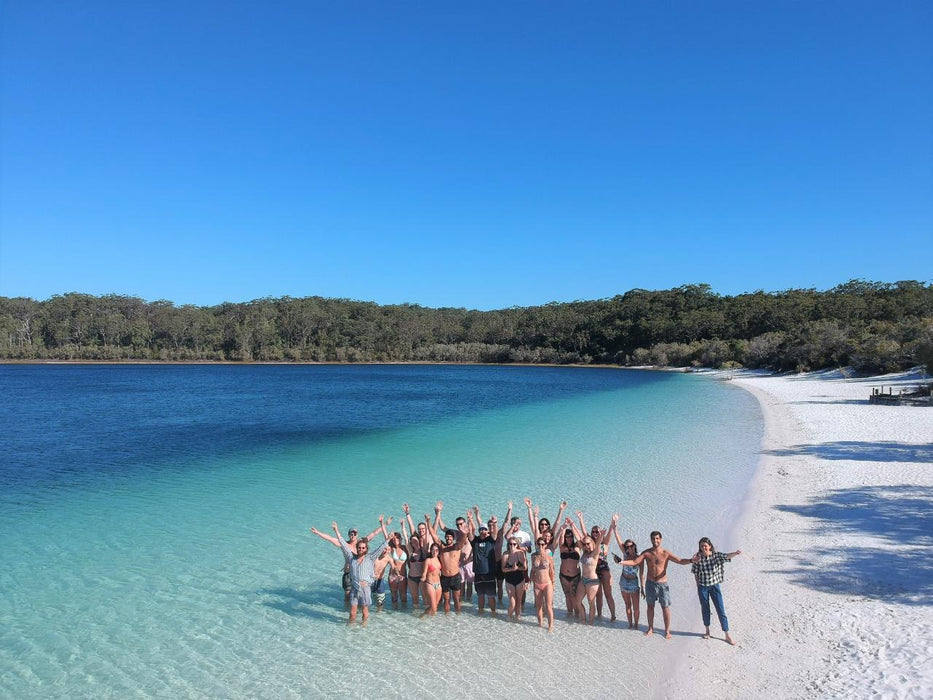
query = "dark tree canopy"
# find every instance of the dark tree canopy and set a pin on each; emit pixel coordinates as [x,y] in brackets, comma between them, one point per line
[874,326]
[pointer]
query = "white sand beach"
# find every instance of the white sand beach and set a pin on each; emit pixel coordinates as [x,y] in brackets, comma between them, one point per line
[833,594]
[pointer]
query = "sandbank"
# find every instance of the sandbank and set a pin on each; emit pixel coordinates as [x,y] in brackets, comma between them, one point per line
[833,594]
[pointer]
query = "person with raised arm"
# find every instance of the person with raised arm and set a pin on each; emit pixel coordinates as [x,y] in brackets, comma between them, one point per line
[352,539]
[708,570]
[631,580]
[542,579]
[541,525]
[466,553]
[589,578]
[515,568]
[484,560]
[570,550]
[502,527]
[398,578]
[431,581]
[656,588]
[362,569]
[603,572]
[449,556]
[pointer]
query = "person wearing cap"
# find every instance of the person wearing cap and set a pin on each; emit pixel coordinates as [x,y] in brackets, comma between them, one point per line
[362,564]
[483,541]
[352,534]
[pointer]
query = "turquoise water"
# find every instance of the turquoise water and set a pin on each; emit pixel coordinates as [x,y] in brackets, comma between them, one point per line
[155,519]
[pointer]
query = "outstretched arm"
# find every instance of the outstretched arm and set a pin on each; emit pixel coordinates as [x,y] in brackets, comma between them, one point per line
[636,561]
[369,537]
[733,554]
[324,536]
[677,560]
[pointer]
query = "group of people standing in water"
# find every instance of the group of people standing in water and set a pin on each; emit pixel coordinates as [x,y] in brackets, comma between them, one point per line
[441,566]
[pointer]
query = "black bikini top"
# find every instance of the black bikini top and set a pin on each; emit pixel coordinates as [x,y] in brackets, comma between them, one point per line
[574,554]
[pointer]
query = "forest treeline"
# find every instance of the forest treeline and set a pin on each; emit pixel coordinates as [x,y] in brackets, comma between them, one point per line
[873,326]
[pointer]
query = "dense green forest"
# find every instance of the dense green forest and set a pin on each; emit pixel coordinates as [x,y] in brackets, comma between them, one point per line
[870,325]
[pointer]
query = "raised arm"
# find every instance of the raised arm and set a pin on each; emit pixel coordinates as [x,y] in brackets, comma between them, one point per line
[532,520]
[324,536]
[347,552]
[612,528]
[583,529]
[406,509]
[431,531]
[369,537]
[438,520]
[558,537]
[560,514]
[736,553]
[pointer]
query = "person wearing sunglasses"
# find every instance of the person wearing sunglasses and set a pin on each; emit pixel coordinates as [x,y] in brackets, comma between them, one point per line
[352,539]
[631,580]
[361,563]
[515,568]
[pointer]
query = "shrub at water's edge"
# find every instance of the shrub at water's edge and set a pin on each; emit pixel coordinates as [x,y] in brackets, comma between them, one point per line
[874,326]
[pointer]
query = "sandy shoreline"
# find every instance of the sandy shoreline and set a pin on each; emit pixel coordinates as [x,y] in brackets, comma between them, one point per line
[833,595]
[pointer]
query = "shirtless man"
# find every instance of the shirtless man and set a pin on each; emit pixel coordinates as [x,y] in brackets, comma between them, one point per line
[466,554]
[351,540]
[449,556]
[656,588]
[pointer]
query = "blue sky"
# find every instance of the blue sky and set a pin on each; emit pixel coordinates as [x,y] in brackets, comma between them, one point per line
[483,154]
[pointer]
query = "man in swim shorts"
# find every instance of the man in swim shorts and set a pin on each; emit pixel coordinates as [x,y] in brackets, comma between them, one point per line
[656,588]
[484,567]
[449,556]
[466,561]
[362,569]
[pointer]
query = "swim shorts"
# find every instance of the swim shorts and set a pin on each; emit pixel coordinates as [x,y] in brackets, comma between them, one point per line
[485,584]
[450,583]
[657,592]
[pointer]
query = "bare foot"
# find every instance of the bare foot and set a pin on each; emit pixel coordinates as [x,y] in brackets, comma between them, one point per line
[649,632]
[668,635]
[729,639]
[706,636]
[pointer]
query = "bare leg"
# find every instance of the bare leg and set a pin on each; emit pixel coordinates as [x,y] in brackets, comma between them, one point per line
[549,606]
[666,612]
[456,595]
[605,580]
[650,629]
[353,614]
[539,606]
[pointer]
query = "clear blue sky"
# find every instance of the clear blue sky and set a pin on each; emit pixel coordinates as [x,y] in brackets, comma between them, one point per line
[478,154]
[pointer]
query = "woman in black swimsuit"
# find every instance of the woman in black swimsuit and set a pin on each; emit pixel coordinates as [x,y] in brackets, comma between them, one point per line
[515,568]
[569,567]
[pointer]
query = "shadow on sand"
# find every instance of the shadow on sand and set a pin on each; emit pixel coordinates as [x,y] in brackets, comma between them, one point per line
[861,451]
[899,570]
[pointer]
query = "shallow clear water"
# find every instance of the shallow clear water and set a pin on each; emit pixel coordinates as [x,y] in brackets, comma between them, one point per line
[154,519]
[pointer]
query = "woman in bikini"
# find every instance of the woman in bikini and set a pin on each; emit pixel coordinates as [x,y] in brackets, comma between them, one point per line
[415,568]
[589,581]
[631,580]
[569,567]
[515,568]
[542,578]
[398,579]
[431,581]
[604,573]
[541,525]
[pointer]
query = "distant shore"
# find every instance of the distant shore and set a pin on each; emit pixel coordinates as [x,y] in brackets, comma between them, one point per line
[833,594]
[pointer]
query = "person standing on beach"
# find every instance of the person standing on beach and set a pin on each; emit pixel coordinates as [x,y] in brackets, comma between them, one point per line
[484,562]
[351,541]
[709,572]
[449,556]
[362,569]
[656,588]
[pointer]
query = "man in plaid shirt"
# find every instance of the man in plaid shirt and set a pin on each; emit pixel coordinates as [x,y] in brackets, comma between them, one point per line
[708,569]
